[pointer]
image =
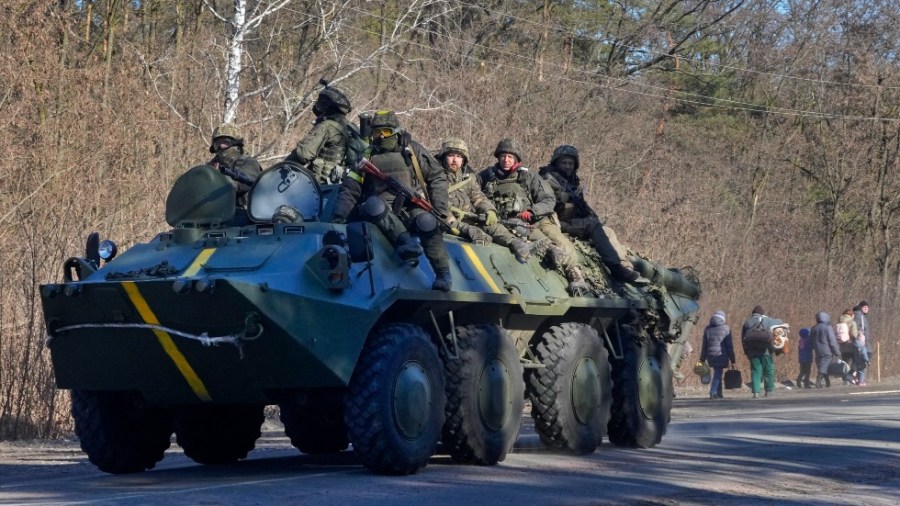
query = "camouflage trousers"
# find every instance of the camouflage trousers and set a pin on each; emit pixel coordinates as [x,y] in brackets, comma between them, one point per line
[548,228]
[487,233]
[393,226]
[602,238]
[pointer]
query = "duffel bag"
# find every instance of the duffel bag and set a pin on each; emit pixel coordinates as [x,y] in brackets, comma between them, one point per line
[838,369]
[733,379]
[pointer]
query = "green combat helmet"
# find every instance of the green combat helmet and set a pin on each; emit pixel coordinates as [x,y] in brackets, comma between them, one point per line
[565,150]
[336,95]
[454,145]
[385,119]
[508,146]
[226,130]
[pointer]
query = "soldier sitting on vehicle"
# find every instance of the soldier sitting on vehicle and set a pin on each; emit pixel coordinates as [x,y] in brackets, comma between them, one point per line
[406,160]
[523,196]
[469,205]
[576,216]
[228,147]
[324,149]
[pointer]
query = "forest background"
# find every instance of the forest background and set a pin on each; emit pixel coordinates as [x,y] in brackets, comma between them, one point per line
[755,140]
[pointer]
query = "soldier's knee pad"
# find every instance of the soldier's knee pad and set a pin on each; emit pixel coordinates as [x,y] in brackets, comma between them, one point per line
[426,225]
[373,209]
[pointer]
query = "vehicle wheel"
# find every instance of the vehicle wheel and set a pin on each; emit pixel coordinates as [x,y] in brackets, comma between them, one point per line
[315,427]
[119,431]
[570,396]
[642,393]
[395,402]
[216,433]
[485,396]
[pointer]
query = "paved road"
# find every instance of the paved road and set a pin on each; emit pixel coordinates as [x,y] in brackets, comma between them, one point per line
[835,447]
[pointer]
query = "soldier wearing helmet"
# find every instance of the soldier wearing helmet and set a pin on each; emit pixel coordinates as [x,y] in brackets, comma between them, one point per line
[324,149]
[395,154]
[228,147]
[520,195]
[576,216]
[467,201]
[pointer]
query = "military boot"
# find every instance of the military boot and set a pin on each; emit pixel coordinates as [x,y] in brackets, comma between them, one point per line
[521,249]
[408,249]
[578,286]
[442,280]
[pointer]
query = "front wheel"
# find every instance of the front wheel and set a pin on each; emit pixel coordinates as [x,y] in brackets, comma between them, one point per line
[570,396]
[485,396]
[119,431]
[395,400]
[218,434]
[642,393]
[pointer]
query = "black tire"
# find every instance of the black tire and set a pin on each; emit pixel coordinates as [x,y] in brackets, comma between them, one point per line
[571,396]
[119,431]
[642,393]
[395,401]
[315,427]
[218,433]
[485,396]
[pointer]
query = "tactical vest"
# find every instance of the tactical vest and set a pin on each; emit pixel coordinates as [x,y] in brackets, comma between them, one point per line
[459,195]
[509,195]
[392,163]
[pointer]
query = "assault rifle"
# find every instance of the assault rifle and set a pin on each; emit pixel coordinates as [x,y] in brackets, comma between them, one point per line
[481,218]
[237,175]
[580,204]
[399,189]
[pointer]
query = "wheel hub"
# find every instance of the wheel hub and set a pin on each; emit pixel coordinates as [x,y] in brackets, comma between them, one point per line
[649,386]
[585,390]
[494,394]
[412,400]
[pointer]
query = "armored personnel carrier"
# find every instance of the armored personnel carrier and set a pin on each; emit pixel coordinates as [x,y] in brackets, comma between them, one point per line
[196,331]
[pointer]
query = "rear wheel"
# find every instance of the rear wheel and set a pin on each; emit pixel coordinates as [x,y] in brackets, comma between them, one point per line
[395,400]
[218,434]
[119,431]
[570,396]
[485,396]
[642,393]
[316,426]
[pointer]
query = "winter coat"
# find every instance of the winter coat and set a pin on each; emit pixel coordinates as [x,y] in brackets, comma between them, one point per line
[862,325]
[718,348]
[849,346]
[768,322]
[824,341]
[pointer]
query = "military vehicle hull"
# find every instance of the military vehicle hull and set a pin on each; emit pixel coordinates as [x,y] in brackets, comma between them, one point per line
[210,322]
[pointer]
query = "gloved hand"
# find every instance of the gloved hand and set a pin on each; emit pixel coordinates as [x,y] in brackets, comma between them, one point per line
[526,216]
[457,212]
[491,217]
[338,219]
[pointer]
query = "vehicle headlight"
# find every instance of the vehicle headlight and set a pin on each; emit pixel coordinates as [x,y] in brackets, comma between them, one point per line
[108,250]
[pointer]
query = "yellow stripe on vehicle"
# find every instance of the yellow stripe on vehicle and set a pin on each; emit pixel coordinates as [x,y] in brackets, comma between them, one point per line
[199,262]
[480,267]
[166,341]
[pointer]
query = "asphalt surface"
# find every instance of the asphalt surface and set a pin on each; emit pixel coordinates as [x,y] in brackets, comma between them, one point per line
[840,446]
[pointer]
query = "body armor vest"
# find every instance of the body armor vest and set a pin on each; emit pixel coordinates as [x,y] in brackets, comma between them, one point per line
[509,196]
[392,163]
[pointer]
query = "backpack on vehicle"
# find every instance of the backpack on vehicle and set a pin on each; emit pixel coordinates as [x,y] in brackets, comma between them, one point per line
[842,331]
[357,146]
[758,337]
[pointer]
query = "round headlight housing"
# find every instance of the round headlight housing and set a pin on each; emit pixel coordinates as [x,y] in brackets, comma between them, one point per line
[108,250]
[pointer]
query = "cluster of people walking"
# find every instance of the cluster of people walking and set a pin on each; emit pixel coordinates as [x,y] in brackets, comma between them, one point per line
[846,344]
[842,349]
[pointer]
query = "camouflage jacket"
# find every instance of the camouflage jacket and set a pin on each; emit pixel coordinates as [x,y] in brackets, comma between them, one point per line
[245,164]
[569,194]
[356,187]
[516,192]
[465,192]
[323,148]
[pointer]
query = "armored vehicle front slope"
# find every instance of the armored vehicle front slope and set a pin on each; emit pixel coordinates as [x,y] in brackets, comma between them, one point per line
[197,330]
